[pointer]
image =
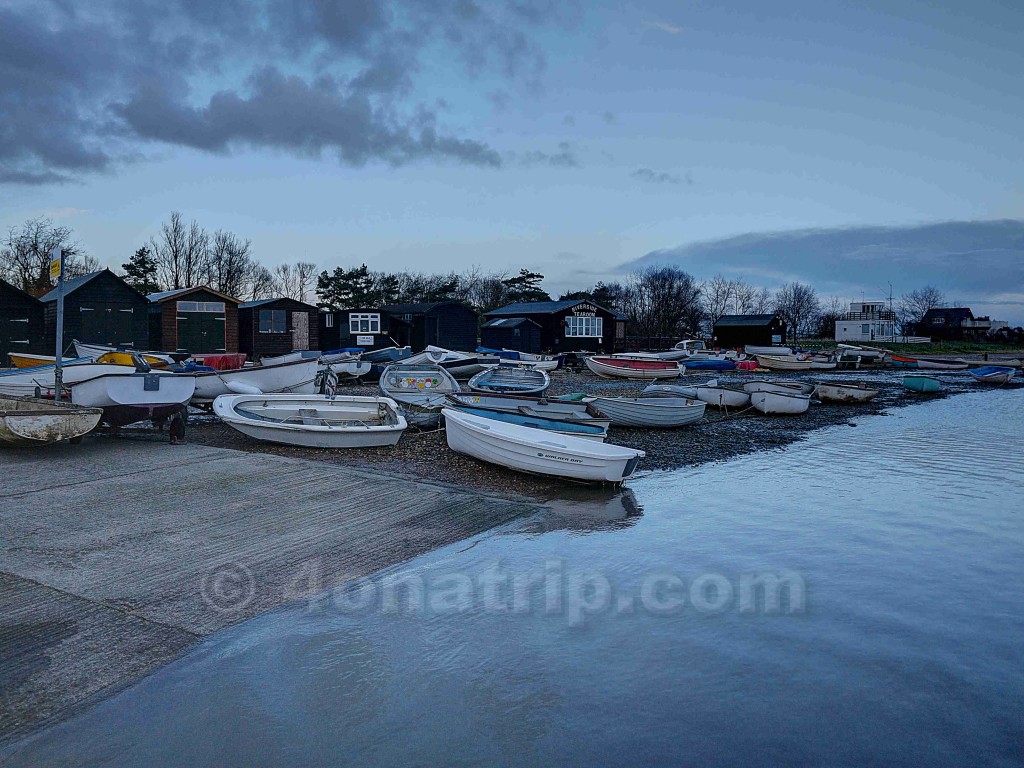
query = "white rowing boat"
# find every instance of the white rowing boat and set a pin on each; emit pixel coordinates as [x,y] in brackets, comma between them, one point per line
[314,421]
[297,377]
[135,397]
[632,367]
[783,363]
[513,380]
[844,392]
[722,395]
[31,421]
[650,412]
[34,382]
[536,451]
[778,386]
[780,403]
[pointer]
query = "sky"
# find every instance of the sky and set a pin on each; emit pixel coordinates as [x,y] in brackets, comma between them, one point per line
[575,139]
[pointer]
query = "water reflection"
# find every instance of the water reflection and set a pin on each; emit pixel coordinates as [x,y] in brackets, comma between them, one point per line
[584,510]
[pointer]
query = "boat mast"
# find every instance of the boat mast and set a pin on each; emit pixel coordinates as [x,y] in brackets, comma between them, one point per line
[56,257]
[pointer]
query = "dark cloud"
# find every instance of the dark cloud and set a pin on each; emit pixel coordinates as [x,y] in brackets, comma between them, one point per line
[86,87]
[565,157]
[973,258]
[660,177]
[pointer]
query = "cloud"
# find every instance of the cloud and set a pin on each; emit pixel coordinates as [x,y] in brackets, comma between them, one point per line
[565,157]
[610,118]
[982,259]
[660,177]
[85,88]
[664,26]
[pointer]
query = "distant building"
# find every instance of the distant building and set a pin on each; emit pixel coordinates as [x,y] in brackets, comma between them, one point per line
[867,321]
[956,324]
[366,327]
[737,331]
[99,308]
[518,333]
[448,324]
[569,325]
[277,326]
[22,327]
[197,320]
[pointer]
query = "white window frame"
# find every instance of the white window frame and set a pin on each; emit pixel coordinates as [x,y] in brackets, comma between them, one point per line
[329,320]
[363,322]
[585,327]
[201,306]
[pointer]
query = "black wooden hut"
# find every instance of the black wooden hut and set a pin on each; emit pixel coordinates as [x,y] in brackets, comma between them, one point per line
[518,333]
[197,320]
[276,326]
[448,324]
[570,325]
[22,328]
[366,327]
[99,308]
[737,331]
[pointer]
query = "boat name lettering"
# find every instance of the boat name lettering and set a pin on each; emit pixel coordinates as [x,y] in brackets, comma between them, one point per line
[566,459]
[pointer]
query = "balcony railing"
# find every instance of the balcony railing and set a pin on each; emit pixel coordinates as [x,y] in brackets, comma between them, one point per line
[883,315]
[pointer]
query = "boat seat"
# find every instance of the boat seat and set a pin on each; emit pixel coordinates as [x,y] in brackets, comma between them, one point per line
[311,417]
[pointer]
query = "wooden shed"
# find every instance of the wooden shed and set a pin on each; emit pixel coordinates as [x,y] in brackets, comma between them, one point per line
[366,327]
[570,325]
[99,308]
[277,326]
[448,324]
[196,320]
[737,331]
[518,333]
[22,327]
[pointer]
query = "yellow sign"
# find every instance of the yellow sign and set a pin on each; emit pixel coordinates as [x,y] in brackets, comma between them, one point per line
[55,268]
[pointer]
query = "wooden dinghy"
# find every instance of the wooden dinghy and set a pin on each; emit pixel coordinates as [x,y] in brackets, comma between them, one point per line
[632,368]
[420,391]
[844,392]
[650,412]
[993,374]
[503,379]
[538,452]
[314,421]
[32,421]
[137,396]
[559,410]
[780,403]
[783,363]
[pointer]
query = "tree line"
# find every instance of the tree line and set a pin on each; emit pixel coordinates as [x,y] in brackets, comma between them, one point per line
[660,301]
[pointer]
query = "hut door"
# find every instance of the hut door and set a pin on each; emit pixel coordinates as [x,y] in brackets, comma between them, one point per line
[300,330]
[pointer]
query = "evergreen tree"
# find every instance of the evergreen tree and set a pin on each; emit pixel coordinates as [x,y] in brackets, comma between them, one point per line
[345,288]
[526,287]
[140,271]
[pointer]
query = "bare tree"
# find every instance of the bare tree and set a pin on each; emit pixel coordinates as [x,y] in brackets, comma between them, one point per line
[262,284]
[914,305]
[797,304]
[181,252]
[831,310]
[25,255]
[662,301]
[718,294]
[229,263]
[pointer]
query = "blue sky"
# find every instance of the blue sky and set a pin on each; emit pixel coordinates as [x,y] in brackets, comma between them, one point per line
[569,138]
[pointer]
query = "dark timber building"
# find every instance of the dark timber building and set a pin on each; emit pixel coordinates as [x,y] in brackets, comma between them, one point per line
[736,331]
[448,324]
[277,326]
[369,328]
[195,320]
[516,333]
[569,325]
[22,328]
[99,308]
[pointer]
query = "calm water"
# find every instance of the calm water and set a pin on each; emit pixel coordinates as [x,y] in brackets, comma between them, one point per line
[905,645]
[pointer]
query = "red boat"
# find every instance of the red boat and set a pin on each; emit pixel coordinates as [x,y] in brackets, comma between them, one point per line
[632,367]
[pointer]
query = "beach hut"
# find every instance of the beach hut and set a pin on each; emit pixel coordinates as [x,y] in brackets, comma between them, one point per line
[198,320]
[569,325]
[366,327]
[22,328]
[277,326]
[518,333]
[448,324]
[738,331]
[99,308]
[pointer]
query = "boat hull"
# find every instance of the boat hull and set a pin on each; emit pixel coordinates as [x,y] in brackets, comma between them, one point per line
[508,380]
[297,377]
[135,397]
[925,385]
[650,412]
[572,428]
[783,363]
[723,397]
[838,392]
[632,368]
[557,410]
[25,382]
[670,390]
[993,374]
[29,421]
[780,404]
[537,452]
[420,391]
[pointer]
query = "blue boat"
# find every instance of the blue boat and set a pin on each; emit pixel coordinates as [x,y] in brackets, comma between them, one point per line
[709,365]
[993,374]
[575,429]
[505,354]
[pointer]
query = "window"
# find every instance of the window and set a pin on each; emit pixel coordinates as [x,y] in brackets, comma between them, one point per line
[592,327]
[329,320]
[273,321]
[364,322]
[865,329]
[200,306]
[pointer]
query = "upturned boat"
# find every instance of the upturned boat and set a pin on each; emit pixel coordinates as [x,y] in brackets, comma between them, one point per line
[780,403]
[134,397]
[844,392]
[925,385]
[503,379]
[650,412]
[314,421]
[419,390]
[902,361]
[632,367]
[993,374]
[536,451]
[31,421]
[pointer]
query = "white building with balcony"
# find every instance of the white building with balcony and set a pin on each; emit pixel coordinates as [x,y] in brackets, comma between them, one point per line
[867,321]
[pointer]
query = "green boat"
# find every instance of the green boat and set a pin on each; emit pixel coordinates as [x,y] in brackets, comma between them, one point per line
[923,384]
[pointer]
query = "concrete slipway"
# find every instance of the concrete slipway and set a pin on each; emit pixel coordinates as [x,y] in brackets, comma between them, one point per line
[118,554]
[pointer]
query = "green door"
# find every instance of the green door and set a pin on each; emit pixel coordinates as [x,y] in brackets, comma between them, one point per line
[201,332]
